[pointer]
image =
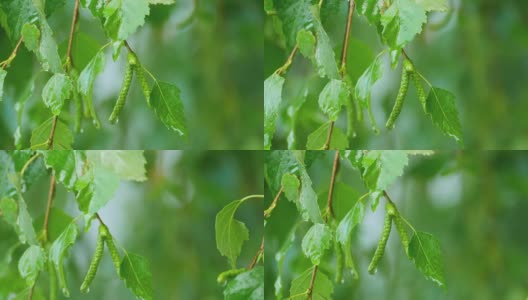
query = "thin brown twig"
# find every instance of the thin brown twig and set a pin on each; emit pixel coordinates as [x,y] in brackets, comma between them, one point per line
[30,296]
[329,136]
[52,133]
[13,54]
[51,195]
[346,39]
[344,52]
[257,255]
[268,211]
[312,282]
[329,202]
[72,31]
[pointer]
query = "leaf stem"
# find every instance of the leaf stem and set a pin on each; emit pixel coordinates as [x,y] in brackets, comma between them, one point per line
[26,165]
[251,197]
[5,64]
[268,211]
[288,62]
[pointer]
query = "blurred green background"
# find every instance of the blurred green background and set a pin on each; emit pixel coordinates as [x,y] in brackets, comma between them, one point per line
[212,50]
[169,219]
[474,203]
[477,50]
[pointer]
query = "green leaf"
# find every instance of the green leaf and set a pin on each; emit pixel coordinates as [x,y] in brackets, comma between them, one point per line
[370,9]
[317,139]
[247,285]
[433,5]
[135,271]
[167,104]
[324,52]
[440,105]
[316,241]
[353,218]
[280,256]
[84,49]
[3,74]
[96,188]
[290,185]
[26,231]
[277,164]
[309,207]
[87,76]
[272,100]
[425,252]
[365,83]
[332,98]
[59,248]
[295,15]
[31,36]
[322,287]
[30,264]
[122,17]
[382,167]
[48,54]
[230,233]
[129,164]
[58,89]
[63,138]
[9,209]
[17,14]
[64,163]
[306,44]
[402,21]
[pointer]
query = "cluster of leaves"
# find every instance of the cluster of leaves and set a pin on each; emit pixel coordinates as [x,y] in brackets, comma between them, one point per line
[327,239]
[239,283]
[71,76]
[93,176]
[299,25]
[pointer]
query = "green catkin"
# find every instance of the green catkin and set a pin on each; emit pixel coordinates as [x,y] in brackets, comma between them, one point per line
[52,281]
[145,87]
[407,70]
[226,275]
[400,227]
[378,254]
[127,81]
[92,270]
[116,259]
[420,90]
